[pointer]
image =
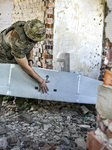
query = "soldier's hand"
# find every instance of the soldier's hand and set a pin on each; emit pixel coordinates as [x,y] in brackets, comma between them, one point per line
[43,86]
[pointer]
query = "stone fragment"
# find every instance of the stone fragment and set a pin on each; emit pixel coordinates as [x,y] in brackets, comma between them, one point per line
[66,133]
[81,142]
[2,130]
[3,143]
[34,147]
[84,109]
[26,117]
[16,148]
[47,126]
[8,128]
[46,147]
[2,120]
[104,101]
[58,148]
[12,140]
[41,143]
[65,141]
[79,148]
[58,130]
[100,134]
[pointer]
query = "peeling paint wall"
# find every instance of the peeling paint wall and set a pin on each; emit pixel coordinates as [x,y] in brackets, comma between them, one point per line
[27,10]
[108,21]
[6,7]
[78,30]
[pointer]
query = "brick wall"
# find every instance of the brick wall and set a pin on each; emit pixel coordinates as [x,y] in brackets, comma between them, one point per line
[47,55]
[44,11]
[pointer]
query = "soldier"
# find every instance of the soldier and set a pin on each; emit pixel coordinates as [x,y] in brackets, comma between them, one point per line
[16,44]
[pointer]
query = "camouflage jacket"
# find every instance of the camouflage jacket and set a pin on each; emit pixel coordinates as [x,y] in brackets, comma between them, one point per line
[15,42]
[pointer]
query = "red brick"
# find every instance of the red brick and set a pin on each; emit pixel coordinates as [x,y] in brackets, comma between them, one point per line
[51,42]
[102,127]
[93,143]
[47,66]
[49,21]
[49,11]
[98,118]
[47,56]
[108,133]
[48,31]
[48,25]
[50,15]
[50,0]
[50,36]
[51,5]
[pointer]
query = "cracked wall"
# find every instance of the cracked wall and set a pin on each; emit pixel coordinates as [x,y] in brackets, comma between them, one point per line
[108,20]
[78,30]
[6,7]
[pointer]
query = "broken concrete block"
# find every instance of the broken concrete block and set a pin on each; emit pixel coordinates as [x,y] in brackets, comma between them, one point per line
[104,101]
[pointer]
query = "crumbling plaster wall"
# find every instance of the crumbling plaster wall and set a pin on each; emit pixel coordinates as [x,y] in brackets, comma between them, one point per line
[27,10]
[78,30]
[108,21]
[6,7]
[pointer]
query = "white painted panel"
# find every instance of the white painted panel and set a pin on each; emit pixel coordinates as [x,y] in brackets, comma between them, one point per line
[78,30]
[63,86]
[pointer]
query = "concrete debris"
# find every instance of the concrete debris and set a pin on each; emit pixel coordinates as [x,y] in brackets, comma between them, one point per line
[102,136]
[84,109]
[48,126]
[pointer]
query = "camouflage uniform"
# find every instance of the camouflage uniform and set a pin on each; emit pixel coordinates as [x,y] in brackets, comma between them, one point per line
[19,39]
[14,43]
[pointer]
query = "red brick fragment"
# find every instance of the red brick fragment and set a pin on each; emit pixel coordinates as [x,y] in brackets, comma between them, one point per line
[47,56]
[47,66]
[48,25]
[93,143]
[49,11]
[49,20]
[108,133]
[50,36]
[50,15]
[50,5]
[51,42]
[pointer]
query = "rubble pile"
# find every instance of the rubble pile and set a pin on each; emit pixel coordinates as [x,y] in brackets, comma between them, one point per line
[101,138]
[46,125]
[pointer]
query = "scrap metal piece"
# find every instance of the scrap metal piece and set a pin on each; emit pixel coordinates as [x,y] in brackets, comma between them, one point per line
[63,86]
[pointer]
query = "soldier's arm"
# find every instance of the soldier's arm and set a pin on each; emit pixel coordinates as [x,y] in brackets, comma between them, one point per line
[24,64]
[30,60]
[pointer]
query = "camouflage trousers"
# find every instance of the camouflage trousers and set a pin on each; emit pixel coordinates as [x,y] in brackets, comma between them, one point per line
[3,59]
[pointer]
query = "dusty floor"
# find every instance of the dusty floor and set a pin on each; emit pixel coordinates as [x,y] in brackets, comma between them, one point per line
[45,125]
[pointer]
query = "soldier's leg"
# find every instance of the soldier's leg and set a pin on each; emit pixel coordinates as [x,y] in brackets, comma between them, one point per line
[1,100]
[20,104]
